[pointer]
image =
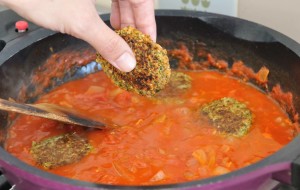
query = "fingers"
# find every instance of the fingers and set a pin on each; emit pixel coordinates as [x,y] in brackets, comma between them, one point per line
[137,13]
[115,19]
[143,11]
[121,14]
[80,19]
[110,45]
[127,16]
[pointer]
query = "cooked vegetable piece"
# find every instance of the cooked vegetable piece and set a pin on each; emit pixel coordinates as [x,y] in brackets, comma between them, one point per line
[152,71]
[178,84]
[60,150]
[229,116]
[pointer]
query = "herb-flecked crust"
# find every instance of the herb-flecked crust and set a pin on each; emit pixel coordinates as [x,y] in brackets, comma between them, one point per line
[152,71]
[178,84]
[60,150]
[229,116]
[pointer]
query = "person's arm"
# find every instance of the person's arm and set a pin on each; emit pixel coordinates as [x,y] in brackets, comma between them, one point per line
[80,19]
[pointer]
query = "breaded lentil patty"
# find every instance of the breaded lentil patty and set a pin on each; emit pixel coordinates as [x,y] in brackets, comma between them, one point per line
[60,150]
[152,71]
[229,116]
[178,84]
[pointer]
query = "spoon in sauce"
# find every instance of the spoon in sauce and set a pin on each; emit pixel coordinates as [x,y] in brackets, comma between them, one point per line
[55,112]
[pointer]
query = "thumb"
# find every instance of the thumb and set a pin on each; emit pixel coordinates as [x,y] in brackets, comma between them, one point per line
[110,45]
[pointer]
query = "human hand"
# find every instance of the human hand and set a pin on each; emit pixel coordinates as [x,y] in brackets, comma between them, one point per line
[136,13]
[80,19]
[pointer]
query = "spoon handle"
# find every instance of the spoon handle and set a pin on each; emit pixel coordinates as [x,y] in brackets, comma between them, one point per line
[50,111]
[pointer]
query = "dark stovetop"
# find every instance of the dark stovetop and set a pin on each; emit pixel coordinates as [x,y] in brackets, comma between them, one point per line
[7,27]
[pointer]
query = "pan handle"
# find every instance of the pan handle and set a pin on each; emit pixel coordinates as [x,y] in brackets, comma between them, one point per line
[295,173]
[290,178]
[3,182]
[2,44]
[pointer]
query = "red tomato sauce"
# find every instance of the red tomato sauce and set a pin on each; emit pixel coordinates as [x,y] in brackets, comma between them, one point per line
[159,142]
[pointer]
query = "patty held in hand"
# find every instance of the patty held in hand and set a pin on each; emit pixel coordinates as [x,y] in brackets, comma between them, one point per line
[229,116]
[152,71]
[60,150]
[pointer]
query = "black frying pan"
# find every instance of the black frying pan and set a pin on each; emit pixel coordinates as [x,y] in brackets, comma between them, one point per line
[226,37]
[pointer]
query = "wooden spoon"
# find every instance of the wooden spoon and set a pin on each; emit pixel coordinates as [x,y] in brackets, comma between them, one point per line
[55,112]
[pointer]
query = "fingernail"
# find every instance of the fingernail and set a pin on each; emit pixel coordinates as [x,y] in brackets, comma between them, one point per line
[126,62]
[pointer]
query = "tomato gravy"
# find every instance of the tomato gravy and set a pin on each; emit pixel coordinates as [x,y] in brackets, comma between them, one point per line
[159,142]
